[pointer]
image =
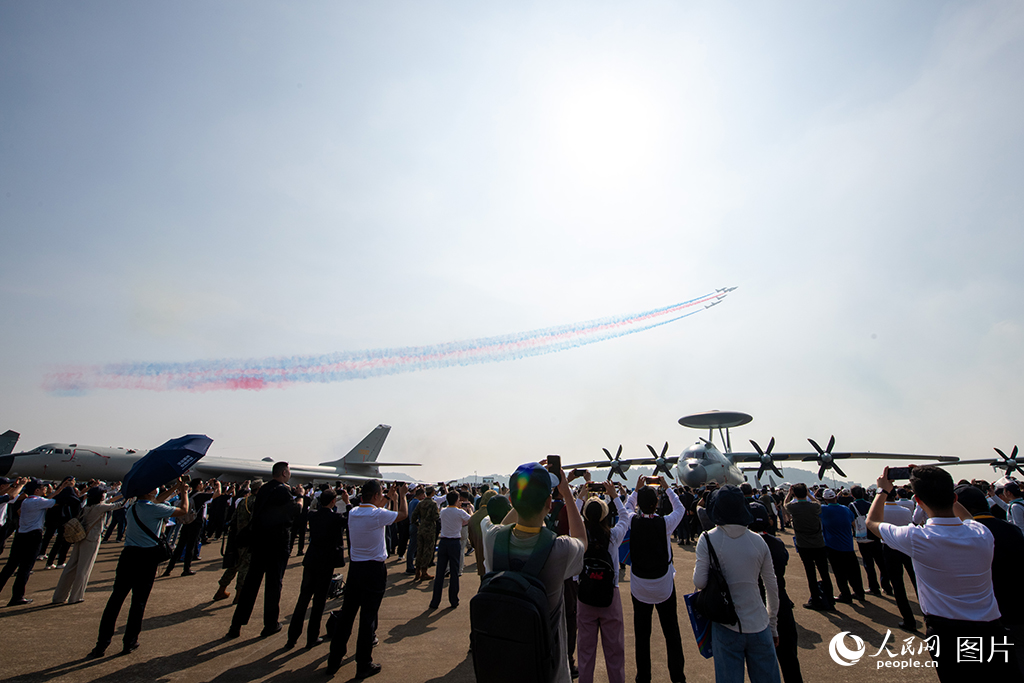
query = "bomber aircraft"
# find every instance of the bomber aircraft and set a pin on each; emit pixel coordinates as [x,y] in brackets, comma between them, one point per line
[59,460]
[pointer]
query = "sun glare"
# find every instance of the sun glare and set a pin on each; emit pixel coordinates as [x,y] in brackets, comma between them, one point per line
[607,131]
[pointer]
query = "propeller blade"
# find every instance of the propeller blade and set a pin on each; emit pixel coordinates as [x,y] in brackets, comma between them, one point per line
[618,453]
[1014,453]
[821,472]
[1002,454]
[817,448]
[756,447]
[610,473]
[777,471]
[836,468]
[653,452]
[760,472]
[665,450]
[831,444]
[771,445]
[607,453]
[622,475]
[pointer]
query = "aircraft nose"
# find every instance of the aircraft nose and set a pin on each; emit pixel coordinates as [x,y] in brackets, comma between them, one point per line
[693,473]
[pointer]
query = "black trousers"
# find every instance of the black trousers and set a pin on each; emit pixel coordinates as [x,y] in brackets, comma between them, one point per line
[59,552]
[316,581]
[188,538]
[816,563]
[24,551]
[847,571]
[668,616]
[298,534]
[570,596]
[991,639]
[895,563]
[786,651]
[117,521]
[363,594]
[871,553]
[268,564]
[135,573]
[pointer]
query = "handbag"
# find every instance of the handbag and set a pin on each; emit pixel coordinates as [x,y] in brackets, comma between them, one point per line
[74,531]
[714,601]
[164,550]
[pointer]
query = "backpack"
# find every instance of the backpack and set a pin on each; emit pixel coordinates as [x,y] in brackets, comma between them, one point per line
[597,580]
[860,525]
[513,637]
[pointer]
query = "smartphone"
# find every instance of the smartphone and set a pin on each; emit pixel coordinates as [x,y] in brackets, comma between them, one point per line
[578,472]
[898,473]
[595,486]
[554,463]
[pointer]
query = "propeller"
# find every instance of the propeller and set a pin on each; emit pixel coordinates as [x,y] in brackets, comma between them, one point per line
[616,466]
[825,459]
[660,464]
[766,459]
[1010,464]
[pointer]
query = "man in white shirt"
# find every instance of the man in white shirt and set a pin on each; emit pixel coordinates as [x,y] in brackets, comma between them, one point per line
[367,575]
[952,557]
[449,548]
[652,580]
[26,543]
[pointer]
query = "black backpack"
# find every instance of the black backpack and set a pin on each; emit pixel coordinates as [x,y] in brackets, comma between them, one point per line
[597,580]
[513,636]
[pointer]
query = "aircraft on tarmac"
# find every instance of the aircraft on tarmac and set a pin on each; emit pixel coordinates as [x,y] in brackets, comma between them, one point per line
[704,462]
[58,460]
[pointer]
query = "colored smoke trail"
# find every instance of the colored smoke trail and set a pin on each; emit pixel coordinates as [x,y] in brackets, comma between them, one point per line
[264,373]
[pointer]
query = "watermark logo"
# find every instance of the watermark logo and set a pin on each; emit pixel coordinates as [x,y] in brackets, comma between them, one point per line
[842,655]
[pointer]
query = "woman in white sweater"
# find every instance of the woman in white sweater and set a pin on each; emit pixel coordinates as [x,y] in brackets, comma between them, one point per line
[744,558]
[71,586]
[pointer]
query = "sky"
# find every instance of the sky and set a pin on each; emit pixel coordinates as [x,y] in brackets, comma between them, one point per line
[242,184]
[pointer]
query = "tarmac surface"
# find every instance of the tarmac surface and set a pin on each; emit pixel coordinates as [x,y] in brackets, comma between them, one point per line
[183,633]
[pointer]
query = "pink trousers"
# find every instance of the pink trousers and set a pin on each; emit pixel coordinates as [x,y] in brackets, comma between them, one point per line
[608,622]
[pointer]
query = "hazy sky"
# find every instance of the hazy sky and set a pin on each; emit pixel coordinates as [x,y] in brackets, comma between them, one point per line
[191,181]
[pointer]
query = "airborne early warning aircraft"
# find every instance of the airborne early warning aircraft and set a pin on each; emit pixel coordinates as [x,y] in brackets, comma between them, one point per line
[704,461]
[59,460]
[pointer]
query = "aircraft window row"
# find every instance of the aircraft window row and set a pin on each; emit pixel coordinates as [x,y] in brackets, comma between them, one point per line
[55,451]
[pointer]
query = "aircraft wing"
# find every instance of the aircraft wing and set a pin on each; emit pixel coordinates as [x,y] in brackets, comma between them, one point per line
[984,461]
[607,463]
[812,457]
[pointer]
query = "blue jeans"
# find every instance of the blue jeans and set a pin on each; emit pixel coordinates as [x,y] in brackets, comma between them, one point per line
[731,649]
[448,551]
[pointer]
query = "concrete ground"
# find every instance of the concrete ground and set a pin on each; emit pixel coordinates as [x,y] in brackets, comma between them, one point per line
[182,638]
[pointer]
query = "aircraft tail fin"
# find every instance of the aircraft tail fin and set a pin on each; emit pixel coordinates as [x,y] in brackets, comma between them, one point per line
[366,451]
[8,440]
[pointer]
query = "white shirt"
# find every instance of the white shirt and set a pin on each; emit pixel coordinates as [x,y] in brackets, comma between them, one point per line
[366,531]
[654,591]
[953,563]
[33,513]
[896,514]
[1015,513]
[619,532]
[452,520]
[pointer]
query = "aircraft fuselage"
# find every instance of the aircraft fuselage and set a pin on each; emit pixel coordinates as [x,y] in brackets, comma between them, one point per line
[703,462]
